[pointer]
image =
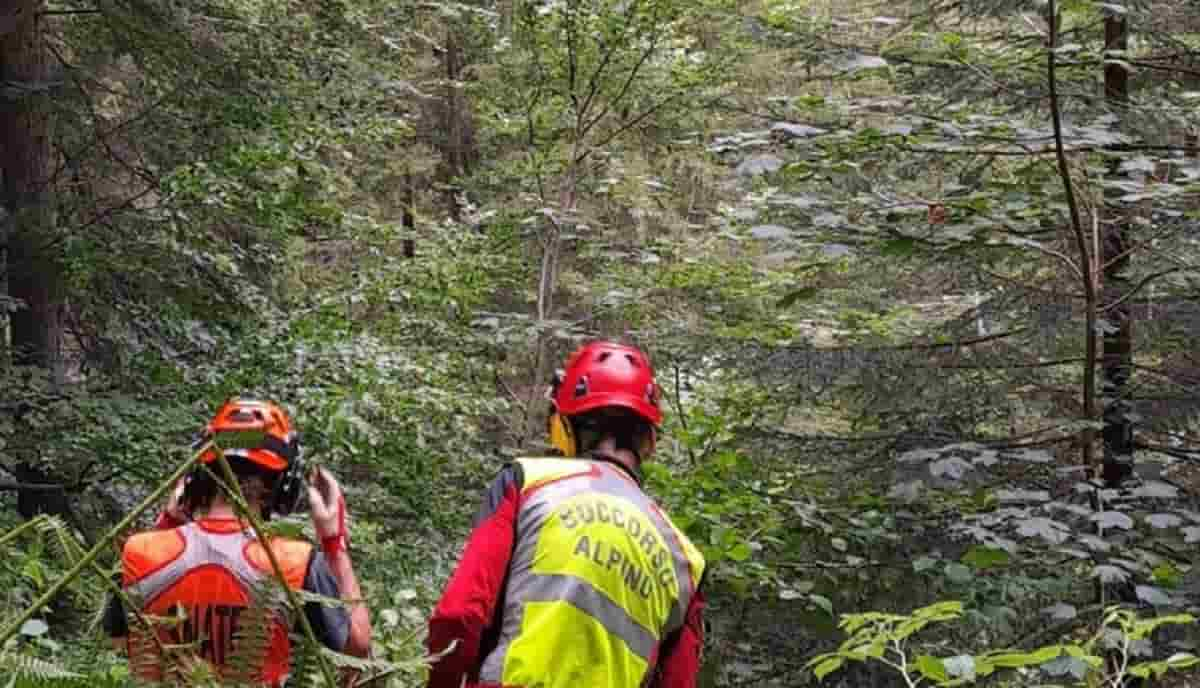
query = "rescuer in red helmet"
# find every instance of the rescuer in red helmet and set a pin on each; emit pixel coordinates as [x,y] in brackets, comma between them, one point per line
[204,563]
[572,575]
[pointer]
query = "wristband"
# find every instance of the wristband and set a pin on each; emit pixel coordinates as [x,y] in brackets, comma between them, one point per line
[333,545]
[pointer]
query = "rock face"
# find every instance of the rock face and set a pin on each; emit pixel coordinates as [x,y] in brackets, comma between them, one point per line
[744,214]
[787,130]
[759,165]
[836,250]
[769,232]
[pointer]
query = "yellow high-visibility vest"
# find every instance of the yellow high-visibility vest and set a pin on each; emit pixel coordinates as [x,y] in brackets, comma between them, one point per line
[599,577]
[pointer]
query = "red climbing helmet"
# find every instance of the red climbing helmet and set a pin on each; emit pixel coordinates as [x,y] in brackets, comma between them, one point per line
[606,374]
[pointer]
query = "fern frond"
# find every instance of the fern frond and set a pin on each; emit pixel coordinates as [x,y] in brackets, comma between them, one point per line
[252,640]
[60,538]
[24,667]
[366,665]
[306,664]
[307,597]
[145,654]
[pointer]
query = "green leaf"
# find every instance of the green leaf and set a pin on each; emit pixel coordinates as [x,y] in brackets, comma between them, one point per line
[981,558]
[1013,660]
[960,666]
[932,668]
[822,602]
[940,611]
[901,247]
[34,627]
[802,294]
[924,564]
[957,573]
[739,552]
[1182,660]
[827,667]
[1166,575]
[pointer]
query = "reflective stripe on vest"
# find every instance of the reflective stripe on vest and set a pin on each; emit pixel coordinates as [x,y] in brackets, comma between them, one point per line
[598,577]
[226,550]
[214,576]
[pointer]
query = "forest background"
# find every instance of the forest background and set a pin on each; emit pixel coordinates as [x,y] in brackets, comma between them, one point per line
[919,279]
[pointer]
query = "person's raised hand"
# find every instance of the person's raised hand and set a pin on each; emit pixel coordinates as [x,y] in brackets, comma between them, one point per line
[173,514]
[327,505]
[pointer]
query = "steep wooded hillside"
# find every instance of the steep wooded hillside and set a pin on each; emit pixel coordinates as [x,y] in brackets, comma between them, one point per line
[919,281]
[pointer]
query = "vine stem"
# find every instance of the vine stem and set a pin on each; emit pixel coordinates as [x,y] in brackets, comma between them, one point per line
[16,532]
[233,489]
[15,627]
[72,548]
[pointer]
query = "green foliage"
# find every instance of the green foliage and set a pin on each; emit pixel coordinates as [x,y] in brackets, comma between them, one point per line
[235,177]
[888,639]
[175,663]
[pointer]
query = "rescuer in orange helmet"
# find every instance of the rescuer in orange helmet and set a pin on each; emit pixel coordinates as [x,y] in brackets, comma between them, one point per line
[204,563]
[573,576]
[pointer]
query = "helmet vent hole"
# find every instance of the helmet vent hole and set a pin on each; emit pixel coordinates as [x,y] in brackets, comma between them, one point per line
[632,361]
[603,356]
[581,387]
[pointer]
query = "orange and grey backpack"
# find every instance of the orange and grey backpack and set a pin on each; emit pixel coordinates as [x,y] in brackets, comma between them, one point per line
[215,579]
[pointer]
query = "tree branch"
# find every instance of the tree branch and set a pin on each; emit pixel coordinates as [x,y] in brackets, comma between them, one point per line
[1165,68]
[633,72]
[63,13]
[627,126]
[1140,285]
[594,80]
[679,408]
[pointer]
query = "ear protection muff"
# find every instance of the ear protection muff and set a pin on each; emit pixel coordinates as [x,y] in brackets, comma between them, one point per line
[290,486]
[189,478]
[562,435]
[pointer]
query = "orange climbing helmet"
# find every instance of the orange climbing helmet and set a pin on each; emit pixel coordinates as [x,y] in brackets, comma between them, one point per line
[606,374]
[258,431]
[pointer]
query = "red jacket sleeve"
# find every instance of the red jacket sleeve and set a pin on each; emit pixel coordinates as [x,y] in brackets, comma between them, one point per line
[468,604]
[679,659]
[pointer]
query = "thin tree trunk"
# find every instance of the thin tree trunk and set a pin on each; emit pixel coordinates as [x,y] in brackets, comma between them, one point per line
[508,10]
[408,217]
[455,154]
[1118,336]
[1086,269]
[548,280]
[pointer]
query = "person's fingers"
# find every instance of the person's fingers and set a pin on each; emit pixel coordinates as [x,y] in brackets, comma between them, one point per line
[317,503]
[329,486]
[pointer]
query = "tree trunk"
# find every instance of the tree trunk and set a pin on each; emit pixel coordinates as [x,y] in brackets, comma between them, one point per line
[408,217]
[547,284]
[33,270]
[26,166]
[508,10]
[1118,336]
[457,153]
